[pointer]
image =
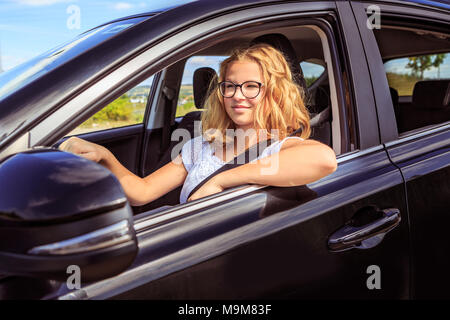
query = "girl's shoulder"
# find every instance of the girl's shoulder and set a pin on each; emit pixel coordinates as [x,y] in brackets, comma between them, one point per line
[289,138]
[275,146]
[279,143]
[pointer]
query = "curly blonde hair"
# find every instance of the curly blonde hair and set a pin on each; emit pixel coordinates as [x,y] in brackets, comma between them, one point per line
[281,108]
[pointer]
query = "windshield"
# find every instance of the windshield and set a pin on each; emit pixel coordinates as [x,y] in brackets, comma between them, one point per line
[25,73]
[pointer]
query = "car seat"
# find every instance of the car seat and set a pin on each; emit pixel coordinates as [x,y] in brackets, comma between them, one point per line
[321,115]
[430,105]
[201,87]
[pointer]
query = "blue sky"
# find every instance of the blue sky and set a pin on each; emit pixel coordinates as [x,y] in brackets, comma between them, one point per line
[31,27]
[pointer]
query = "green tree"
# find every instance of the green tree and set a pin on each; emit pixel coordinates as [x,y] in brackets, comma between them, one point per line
[119,110]
[310,80]
[422,63]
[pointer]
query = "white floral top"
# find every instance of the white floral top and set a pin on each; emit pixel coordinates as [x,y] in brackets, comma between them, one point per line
[200,161]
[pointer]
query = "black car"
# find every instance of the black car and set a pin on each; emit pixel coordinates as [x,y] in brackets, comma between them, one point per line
[375,228]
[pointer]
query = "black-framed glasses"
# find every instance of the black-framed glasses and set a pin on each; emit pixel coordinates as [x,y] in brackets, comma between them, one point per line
[250,89]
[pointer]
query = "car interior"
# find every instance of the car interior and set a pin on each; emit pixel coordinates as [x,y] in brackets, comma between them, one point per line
[297,44]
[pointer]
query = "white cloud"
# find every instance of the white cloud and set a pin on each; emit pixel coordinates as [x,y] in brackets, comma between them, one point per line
[205,60]
[443,72]
[9,62]
[37,3]
[36,31]
[123,6]
[15,28]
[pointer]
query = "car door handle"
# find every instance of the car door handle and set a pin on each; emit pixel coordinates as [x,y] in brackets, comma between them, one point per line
[366,236]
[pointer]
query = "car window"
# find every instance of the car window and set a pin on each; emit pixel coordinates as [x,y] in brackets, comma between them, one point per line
[403,73]
[311,71]
[128,109]
[418,74]
[186,102]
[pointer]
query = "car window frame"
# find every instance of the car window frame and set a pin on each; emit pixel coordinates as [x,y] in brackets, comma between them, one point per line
[137,77]
[302,18]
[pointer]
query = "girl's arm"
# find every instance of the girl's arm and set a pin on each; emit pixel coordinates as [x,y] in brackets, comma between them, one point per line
[138,190]
[297,163]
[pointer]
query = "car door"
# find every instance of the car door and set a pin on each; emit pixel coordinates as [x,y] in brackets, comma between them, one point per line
[345,236]
[421,147]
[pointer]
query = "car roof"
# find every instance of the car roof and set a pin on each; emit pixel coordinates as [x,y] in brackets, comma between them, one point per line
[143,14]
[433,3]
[224,3]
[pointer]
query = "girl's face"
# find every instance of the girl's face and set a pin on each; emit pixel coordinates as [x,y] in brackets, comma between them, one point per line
[239,108]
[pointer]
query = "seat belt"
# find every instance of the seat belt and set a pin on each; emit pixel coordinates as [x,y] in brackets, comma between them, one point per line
[321,117]
[249,155]
[169,95]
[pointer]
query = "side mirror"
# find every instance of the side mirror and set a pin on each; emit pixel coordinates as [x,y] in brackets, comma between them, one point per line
[59,210]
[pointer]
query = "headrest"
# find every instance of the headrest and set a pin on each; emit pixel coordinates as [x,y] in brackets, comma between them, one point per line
[202,79]
[282,44]
[431,94]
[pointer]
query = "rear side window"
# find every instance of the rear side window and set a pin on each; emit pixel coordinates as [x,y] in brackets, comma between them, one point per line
[312,70]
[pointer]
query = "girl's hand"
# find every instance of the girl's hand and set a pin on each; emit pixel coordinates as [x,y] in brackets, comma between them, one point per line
[83,148]
[211,187]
